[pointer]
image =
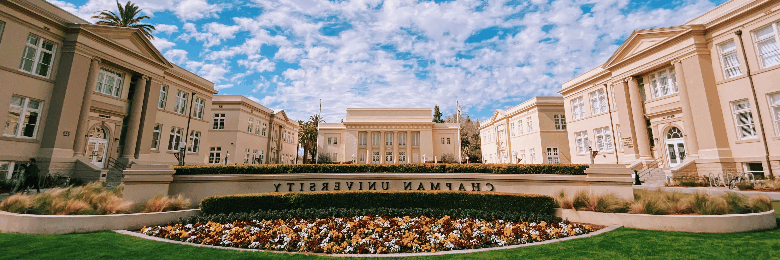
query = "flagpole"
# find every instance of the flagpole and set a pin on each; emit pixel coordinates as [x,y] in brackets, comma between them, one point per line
[460,147]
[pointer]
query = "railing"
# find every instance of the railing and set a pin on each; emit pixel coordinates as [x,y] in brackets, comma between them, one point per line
[658,163]
[113,163]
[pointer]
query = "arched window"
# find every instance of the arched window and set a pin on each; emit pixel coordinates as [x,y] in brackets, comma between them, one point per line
[97,132]
[674,133]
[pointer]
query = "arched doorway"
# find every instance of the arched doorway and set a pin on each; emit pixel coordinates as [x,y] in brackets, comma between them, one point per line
[97,145]
[675,146]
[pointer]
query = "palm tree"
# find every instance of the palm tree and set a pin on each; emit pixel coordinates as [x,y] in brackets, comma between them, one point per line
[126,18]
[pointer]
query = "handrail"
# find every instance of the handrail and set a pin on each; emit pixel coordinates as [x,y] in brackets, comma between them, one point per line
[115,164]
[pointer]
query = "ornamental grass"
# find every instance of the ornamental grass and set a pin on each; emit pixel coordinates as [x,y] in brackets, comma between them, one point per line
[165,203]
[658,202]
[369,234]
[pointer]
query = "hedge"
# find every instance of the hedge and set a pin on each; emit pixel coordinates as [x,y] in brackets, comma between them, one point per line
[485,201]
[390,212]
[564,169]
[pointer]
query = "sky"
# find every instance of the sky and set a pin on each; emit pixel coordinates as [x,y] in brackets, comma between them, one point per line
[487,55]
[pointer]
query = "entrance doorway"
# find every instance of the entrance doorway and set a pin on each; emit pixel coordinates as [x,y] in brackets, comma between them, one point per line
[97,146]
[675,146]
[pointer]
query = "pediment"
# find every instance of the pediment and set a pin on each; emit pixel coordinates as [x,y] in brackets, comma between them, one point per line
[131,39]
[642,40]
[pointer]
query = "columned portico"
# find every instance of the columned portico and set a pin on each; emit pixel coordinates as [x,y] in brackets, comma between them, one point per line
[79,144]
[409,158]
[640,127]
[134,124]
[382,143]
[395,147]
[369,148]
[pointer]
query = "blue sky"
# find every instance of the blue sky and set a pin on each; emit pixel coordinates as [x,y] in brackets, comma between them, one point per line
[488,55]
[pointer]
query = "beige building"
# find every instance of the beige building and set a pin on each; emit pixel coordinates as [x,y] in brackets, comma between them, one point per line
[87,100]
[246,132]
[533,132]
[388,136]
[699,98]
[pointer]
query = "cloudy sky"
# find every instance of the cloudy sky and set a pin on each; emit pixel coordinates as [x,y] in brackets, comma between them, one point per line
[489,55]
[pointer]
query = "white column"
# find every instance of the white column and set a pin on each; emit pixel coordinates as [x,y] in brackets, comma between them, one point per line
[640,127]
[692,145]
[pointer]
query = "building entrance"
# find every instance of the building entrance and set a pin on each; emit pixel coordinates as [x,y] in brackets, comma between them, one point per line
[97,146]
[675,146]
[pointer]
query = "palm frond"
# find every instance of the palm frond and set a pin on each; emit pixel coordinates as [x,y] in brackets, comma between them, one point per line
[127,16]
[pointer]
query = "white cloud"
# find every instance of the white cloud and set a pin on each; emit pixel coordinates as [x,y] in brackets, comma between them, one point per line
[258,66]
[186,10]
[223,86]
[213,33]
[162,43]
[176,55]
[196,9]
[166,28]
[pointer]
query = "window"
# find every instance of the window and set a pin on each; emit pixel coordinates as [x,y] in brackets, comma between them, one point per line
[532,155]
[448,140]
[214,155]
[156,137]
[415,139]
[219,122]
[757,169]
[249,126]
[181,102]
[581,138]
[520,127]
[388,157]
[401,157]
[728,58]
[264,128]
[362,157]
[246,157]
[774,104]
[603,139]
[442,140]
[199,105]
[362,138]
[663,83]
[175,138]
[522,156]
[257,127]
[530,124]
[512,127]
[743,120]
[766,43]
[375,139]
[560,122]
[577,108]
[330,140]
[552,155]
[335,140]
[163,97]
[402,139]
[619,138]
[260,157]
[598,102]
[2,27]
[194,144]
[109,83]
[388,138]
[23,117]
[38,56]
[375,157]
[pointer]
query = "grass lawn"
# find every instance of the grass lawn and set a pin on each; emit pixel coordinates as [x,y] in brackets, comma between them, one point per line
[619,244]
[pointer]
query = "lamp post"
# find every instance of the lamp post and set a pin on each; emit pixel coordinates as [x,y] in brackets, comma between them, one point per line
[514,153]
[227,154]
[590,151]
[467,159]
[424,159]
[353,158]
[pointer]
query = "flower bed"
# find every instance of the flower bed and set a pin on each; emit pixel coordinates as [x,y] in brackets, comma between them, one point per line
[561,169]
[366,234]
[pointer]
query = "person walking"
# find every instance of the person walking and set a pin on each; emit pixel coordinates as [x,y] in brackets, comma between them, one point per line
[30,177]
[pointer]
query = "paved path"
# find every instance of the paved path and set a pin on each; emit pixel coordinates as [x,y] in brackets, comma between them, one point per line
[711,190]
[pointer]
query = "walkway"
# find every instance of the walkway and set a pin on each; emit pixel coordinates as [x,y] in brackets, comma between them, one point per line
[711,190]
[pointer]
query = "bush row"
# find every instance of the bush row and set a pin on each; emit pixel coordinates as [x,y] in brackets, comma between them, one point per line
[564,169]
[486,201]
[351,212]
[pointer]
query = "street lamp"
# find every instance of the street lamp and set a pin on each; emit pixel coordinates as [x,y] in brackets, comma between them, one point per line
[424,159]
[467,159]
[227,154]
[353,158]
[515,155]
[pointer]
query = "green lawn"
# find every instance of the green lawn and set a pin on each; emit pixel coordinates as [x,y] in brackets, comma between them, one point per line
[619,244]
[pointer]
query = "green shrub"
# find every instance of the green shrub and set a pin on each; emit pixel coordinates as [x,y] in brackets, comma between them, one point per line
[737,204]
[704,204]
[759,203]
[745,185]
[562,169]
[351,212]
[487,201]
[563,201]
[17,203]
[688,181]
[581,201]
[610,203]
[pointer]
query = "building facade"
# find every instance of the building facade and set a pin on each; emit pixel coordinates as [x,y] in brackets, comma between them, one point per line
[245,132]
[533,132]
[699,98]
[85,99]
[388,136]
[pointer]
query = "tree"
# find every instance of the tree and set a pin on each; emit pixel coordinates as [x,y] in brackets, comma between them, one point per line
[470,142]
[126,17]
[307,136]
[437,115]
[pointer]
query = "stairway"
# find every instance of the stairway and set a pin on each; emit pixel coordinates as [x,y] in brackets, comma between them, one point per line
[655,177]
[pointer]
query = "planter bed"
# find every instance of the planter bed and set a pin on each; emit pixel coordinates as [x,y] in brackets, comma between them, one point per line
[64,224]
[730,223]
[370,234]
